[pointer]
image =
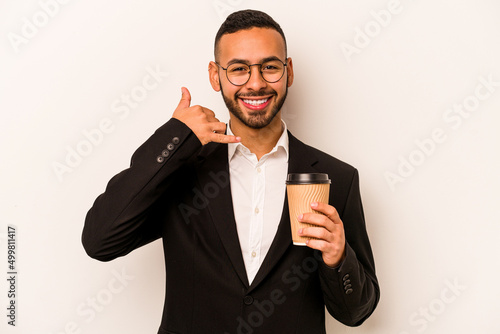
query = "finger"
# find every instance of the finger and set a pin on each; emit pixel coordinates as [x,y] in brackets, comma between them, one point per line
[224,139]
[212,119]
[318,244]
[208,112]
[218,127]
[185,101]
[327,210]
[317,233]
[316,219]
[333,255]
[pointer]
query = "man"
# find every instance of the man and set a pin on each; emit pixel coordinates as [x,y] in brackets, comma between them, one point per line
[216,197]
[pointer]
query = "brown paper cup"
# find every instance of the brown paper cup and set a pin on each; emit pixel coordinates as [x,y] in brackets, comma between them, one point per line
[303,189]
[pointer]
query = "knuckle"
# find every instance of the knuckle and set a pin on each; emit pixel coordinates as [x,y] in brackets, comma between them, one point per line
[333,211]
[216,137]
[198,109]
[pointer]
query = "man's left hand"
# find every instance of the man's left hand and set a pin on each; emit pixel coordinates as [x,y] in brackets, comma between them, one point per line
[329,233]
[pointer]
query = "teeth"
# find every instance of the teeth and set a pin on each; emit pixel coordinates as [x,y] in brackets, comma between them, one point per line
[256,102]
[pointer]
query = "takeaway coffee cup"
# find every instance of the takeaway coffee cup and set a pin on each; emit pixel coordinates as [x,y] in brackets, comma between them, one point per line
[302,190]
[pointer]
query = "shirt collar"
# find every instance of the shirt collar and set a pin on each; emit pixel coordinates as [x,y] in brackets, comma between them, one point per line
[282,143]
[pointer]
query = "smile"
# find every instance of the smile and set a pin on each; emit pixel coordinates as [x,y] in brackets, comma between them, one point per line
[255,102]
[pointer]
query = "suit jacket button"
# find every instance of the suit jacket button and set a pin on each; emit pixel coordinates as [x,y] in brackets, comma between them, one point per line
[346,277]
[347,287]
[347,281]
[170,146]
[160,159]
[248,300]
[165,153]
[175,140]
[348,291]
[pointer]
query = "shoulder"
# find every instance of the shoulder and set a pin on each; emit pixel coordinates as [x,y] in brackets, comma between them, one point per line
[344,177]
[322,160]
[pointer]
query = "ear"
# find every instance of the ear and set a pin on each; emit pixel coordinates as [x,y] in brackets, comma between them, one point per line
[213,75]
[289,71]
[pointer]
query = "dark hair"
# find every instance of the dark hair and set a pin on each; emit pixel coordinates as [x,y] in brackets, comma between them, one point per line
[246,19]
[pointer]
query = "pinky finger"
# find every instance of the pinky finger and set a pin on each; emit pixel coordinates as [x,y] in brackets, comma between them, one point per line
[224,139]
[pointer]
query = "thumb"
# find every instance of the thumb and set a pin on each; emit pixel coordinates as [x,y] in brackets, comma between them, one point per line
[185,101]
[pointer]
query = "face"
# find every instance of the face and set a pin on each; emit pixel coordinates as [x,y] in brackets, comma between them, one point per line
[256,103]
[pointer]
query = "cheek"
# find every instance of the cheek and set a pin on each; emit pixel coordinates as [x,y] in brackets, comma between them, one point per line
[280,89]
[229,90]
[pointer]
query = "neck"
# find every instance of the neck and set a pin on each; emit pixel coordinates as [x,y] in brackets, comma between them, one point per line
[258,141]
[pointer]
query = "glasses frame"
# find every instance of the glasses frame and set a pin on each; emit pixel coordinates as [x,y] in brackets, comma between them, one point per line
[250,72]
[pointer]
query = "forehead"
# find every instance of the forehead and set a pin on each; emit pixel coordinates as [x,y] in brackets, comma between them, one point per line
[253,45]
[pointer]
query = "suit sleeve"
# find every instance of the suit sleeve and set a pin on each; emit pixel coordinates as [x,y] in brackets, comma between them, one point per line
[119,220]
[351,290]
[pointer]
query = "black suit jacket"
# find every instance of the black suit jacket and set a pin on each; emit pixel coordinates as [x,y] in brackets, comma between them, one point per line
[178,190]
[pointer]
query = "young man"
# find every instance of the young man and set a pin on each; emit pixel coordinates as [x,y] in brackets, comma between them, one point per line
[216,196]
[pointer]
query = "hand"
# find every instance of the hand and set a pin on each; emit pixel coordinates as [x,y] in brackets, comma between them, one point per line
[329,233]
[202,121]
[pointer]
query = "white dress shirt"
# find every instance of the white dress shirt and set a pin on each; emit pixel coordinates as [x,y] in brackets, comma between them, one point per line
[258,193]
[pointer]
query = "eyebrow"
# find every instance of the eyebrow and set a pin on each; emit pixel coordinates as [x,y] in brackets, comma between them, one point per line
[244,61]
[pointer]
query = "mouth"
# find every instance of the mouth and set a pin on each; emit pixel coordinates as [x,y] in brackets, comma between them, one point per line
[255,103]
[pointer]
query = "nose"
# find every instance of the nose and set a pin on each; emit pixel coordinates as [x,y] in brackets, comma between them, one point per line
[256,81]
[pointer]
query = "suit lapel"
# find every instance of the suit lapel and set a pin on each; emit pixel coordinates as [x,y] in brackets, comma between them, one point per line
[300,161]
[214,162]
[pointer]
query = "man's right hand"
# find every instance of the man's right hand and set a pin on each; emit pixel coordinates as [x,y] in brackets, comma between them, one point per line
[202,121]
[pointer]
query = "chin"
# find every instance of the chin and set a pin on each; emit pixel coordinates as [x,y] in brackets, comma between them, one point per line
[256,120]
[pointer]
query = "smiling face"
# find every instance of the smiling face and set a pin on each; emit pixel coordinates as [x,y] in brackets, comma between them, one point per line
[256,103]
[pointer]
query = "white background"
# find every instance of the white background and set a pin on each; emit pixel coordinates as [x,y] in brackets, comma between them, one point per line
[435,225]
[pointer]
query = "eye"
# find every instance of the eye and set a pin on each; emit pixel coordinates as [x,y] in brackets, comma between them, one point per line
[272,66]
[269,67]
[238,68]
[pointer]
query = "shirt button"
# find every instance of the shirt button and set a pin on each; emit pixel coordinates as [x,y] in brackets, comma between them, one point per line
[248,300]
[254,254]
[259,170]
[256,210]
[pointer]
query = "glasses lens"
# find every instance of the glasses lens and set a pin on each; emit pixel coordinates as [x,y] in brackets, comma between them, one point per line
[272,71]
[238,74]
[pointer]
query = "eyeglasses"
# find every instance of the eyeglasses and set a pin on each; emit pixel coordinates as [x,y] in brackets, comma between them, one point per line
[238,73]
